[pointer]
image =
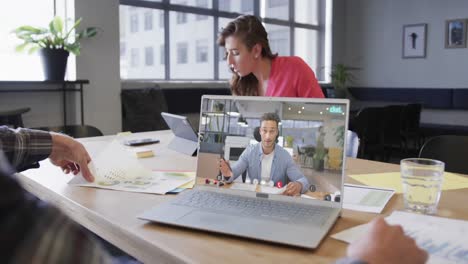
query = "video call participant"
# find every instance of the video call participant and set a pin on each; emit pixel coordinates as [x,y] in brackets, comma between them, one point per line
[256,70]
[268,161]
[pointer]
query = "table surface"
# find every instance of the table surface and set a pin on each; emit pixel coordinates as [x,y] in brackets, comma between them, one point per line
[112,214]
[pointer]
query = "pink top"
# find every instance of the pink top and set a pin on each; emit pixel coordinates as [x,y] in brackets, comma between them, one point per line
[292,77]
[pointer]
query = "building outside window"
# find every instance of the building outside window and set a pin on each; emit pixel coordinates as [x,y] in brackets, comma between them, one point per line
[275,3]
[134,58]
[149,56]
[162,51]
[133,23]
[161,20]
[202,50]
[122,49]
[187,44]
[148,20]
[182,52]
[203,4]
[224,5]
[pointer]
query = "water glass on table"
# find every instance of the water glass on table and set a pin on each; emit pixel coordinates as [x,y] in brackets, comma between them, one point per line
[422,183]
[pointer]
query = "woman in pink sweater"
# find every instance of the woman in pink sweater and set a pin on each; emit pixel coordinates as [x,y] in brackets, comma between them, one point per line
[256,70]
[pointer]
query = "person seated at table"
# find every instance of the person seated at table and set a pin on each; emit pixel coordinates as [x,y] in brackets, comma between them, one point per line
[268,161]
[256,70]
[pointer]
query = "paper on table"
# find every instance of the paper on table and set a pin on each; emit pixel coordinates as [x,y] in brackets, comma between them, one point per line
[444,239]
[115,168]
[156,182]
[392,180]
[365,198]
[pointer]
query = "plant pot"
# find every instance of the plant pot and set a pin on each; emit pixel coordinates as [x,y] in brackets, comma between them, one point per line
[54,62]
[318,164]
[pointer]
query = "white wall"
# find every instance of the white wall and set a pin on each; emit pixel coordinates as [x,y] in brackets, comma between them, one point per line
[99,62]
[373,41]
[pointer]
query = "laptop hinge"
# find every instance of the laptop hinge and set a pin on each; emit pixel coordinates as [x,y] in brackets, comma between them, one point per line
[262,195]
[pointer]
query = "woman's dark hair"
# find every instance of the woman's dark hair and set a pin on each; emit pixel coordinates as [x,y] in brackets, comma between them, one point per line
[250,31]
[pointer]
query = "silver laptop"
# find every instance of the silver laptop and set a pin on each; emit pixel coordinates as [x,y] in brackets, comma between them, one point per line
[311,146]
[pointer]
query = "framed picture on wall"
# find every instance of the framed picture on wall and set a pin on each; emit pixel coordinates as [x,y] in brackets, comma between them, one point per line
[414,41]
[455,33]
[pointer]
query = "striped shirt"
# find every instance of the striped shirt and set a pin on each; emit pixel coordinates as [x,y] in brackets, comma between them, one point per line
[31,230]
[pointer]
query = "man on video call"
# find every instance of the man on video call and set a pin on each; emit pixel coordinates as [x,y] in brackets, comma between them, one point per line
[268,161]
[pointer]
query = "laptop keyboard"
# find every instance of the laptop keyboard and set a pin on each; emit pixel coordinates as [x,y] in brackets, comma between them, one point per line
[255,207]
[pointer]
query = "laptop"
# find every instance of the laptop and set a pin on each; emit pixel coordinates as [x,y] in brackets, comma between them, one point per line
[313,132]
[186,139]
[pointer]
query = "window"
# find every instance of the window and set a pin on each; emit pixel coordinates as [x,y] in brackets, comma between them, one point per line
[148,20]
[187,45]
[21,66]
[134,58]
[143,62]
[247,6]
[181,18]
[202,51]
[182,53]
[278,9]
[163,56]
[204,4]
[134,23]
[224,5]
[149,56]
[161,20]
[122,49]
[275,3]
[279,39]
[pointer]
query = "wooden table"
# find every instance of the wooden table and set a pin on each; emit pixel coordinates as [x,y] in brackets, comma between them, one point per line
[112,215]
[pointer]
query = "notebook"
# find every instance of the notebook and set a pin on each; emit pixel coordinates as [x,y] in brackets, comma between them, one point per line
[309,150]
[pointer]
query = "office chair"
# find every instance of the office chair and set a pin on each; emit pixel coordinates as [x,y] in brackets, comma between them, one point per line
[450,149]
[369,125]
[13,118]
[75,131]
[141,109]
[410,132]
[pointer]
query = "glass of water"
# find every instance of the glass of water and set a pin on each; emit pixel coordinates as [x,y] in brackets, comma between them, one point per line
[422,182]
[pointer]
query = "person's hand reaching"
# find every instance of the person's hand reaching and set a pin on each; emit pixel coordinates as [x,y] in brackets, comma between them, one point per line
[385,243]
[293,189]
[70,155]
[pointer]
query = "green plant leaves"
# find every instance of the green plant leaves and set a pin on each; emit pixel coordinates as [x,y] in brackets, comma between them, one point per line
[53,37]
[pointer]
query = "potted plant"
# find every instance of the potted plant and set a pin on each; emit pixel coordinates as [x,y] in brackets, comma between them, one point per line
[341,76]
[319,158]
[54,44]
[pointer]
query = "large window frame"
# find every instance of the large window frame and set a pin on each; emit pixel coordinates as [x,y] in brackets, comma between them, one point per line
[166,6]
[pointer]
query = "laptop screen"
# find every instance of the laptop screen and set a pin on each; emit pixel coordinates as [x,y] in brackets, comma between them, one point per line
[279,146]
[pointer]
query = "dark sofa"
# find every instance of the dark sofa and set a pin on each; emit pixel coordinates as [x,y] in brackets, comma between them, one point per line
[142,104]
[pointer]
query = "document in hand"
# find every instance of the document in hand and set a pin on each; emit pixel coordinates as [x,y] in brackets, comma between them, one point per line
[116,168]
[444,239]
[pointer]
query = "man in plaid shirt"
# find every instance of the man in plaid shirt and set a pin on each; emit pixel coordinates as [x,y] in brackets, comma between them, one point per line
[31,230]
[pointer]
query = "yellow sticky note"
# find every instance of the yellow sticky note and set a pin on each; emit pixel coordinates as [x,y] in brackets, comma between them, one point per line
[143,153]
[392,180]
[126,133]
